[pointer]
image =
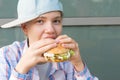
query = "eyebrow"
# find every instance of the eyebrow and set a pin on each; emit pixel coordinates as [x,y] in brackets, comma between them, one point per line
[57,17]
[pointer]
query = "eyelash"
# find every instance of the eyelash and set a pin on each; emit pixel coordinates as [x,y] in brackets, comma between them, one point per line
[54,22]
[57,21]
[40,21]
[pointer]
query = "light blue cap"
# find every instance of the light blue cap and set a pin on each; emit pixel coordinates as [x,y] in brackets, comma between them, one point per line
[30,9]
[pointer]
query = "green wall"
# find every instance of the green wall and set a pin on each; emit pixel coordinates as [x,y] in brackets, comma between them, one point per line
[91,8]
[99,45]
[100,49]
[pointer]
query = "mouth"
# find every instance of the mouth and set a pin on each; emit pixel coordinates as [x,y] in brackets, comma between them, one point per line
[50,36]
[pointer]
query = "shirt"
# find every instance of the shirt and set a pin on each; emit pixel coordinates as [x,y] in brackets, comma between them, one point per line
[11,54]
[43,69]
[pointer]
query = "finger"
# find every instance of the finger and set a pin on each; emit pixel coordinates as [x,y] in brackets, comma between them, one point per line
[66,40]
[61,37]
[70,46]
[41,60]
[42,43]
[42,50]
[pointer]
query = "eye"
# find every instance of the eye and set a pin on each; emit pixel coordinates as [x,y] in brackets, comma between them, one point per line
[40,21]
[57,21]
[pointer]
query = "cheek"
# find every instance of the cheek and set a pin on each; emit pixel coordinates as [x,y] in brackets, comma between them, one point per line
[36,33]
[58,30]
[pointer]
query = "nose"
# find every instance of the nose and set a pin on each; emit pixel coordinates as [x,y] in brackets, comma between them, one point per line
[49,28]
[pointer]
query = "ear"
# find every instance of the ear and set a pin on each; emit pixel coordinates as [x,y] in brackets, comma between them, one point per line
[24,28]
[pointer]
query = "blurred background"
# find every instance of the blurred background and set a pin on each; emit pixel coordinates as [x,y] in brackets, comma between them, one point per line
[94,24]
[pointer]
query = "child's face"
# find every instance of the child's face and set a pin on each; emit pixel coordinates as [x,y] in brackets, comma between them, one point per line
[48,25]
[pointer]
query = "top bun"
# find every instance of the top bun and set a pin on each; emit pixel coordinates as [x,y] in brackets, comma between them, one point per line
[58,50]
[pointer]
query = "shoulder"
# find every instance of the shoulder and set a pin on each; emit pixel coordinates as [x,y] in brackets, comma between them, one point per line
[15,46]
[13,51]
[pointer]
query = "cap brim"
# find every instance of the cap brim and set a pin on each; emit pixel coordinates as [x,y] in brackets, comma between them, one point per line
[11,24]
[17,22]
[21,21]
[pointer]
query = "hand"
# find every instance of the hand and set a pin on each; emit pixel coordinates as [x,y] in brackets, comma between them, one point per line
[69,43]
[34,55]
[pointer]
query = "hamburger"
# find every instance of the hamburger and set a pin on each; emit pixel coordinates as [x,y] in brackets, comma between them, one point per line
[58,54]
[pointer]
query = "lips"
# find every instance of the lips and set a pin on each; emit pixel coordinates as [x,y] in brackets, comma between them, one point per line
[49,36]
